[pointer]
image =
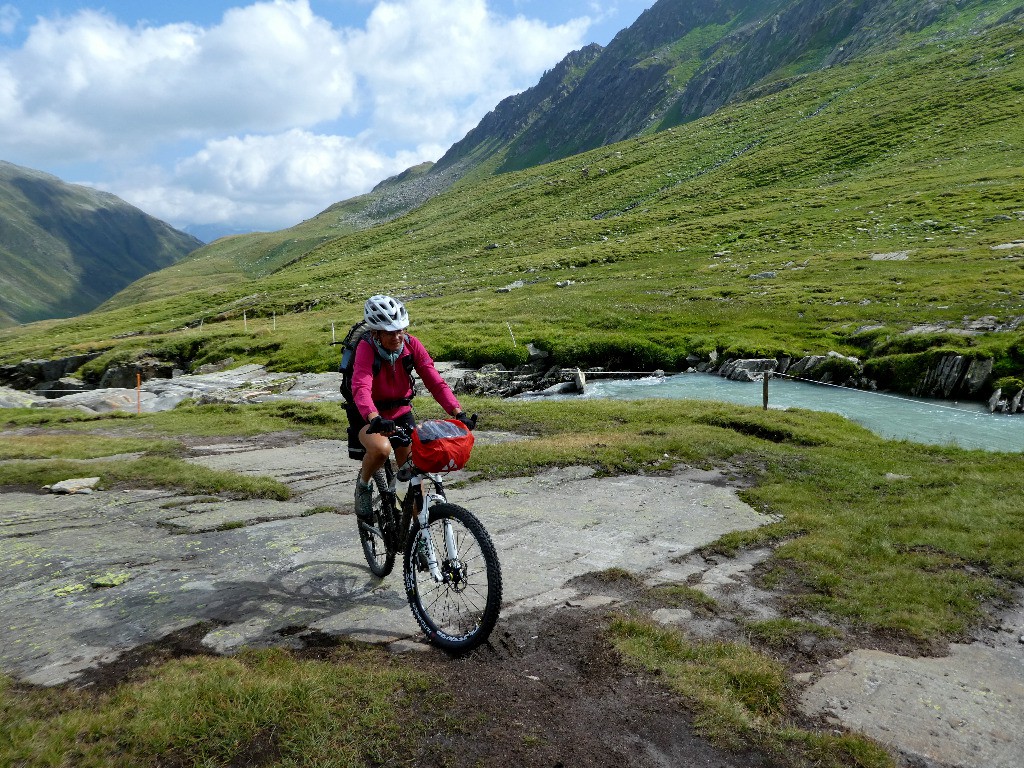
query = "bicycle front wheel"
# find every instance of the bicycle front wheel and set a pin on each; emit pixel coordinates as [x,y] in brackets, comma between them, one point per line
[455,598]
[374,536]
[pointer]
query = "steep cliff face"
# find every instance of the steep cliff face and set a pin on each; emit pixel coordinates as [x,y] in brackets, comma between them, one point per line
[517,113]
[795,39]
[629,88]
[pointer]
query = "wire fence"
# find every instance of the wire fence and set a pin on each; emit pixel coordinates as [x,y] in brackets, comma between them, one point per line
[916,401]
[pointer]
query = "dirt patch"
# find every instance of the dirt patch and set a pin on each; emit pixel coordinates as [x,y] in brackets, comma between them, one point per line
[133,663]
[549,690]
[23,488]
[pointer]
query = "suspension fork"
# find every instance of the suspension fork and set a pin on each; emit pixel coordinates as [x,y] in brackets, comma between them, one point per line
[434,495]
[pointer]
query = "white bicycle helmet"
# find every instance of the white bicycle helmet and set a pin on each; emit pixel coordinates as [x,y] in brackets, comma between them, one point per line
[383,313]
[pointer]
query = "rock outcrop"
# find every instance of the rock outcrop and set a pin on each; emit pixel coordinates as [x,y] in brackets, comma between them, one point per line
[38,374]
[1006,402]
[955,376]
[748,370]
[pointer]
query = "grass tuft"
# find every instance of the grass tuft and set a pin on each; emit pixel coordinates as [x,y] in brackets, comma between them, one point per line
[345,710]
[739,697]
[146,472]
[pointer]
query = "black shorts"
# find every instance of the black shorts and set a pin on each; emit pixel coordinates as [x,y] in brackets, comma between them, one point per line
[356,422]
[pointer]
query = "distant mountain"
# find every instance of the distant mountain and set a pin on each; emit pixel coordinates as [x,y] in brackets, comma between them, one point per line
[65,249]
[680,61]
[870,208]
[684,59]
[210,232]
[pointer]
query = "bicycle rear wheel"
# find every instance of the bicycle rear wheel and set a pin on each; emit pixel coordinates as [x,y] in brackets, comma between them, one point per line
[459,607]
[375,536]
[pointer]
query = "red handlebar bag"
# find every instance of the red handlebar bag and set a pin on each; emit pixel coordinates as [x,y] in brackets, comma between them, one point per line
[441,445]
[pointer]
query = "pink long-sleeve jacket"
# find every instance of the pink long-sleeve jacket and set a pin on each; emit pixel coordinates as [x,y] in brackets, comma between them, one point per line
[392,382]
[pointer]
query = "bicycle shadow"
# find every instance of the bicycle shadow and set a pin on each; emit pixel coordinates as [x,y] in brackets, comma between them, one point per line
[293,608]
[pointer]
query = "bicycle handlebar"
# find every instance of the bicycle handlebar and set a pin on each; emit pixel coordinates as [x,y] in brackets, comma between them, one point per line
[398,436]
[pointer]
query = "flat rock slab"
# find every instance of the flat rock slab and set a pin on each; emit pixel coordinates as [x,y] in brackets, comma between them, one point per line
[206,516]
[966,709]
[319,472]
[84,578]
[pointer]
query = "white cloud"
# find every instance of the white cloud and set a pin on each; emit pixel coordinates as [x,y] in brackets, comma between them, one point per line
[87,85]
[9,17]
[439,65]
[264,182]
[261,93]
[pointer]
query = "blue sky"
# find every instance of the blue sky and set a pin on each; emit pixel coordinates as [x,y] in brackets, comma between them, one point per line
[255,115]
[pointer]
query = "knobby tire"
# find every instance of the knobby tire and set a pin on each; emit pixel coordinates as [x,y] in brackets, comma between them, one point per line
[459,613]
[374,537]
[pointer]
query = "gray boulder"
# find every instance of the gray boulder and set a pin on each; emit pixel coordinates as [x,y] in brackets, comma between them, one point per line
[954,375]
[60,387]
[100,400]
[536,355]
[978,372]
[1015,402]
[747,370]
[74,485]
[996,404]
[805,365]
[490,379]
[15,398]
[31,373]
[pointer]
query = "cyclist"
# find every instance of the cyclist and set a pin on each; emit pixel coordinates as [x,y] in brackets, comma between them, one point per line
[382,388]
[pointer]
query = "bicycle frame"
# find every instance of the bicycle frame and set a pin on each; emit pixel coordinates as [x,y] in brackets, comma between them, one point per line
[430,498]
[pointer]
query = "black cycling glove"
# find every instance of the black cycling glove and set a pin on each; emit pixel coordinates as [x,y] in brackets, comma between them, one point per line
[383,426]
[469,421]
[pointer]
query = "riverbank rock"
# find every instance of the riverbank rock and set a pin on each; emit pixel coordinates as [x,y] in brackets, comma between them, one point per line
[495,380]
[805,365]
[163,387]
[1011,402]
[954,376]
[15,398]
[63,386]
[102,401]
[748,370]
[31,374]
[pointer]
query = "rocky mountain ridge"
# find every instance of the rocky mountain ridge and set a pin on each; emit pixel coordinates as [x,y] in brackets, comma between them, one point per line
[678,62]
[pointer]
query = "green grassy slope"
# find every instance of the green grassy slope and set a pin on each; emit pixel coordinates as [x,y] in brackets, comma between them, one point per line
[751,231]
[679,61]
[65,248]
[241,258]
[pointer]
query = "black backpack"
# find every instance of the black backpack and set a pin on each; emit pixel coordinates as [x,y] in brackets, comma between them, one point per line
[356,334]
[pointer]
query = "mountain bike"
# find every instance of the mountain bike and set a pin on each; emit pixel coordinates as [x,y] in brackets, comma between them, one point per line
[450,567]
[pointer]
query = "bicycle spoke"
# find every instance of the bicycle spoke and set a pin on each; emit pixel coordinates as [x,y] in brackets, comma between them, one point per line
[459,610]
